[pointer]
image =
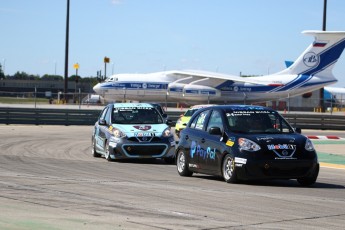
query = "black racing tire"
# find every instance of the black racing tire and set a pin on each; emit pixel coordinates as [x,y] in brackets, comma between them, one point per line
[310,179]
[107,152]
[182,164]
[93,148]
[229,169]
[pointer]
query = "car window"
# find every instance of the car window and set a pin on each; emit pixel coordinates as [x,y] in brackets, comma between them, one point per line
[257,122]
[215,121]
[280,124]
[158,107]
[104,113]
[199,121]
[189,112]
[142,115]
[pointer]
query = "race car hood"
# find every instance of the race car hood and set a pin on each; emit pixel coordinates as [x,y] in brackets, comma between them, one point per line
[141,129]
[264,139]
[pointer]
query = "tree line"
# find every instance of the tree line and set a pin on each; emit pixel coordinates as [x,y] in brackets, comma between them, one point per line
[20,75]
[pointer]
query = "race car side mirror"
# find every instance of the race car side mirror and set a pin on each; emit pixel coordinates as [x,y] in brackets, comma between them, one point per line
[298,130]
[215,131]
[102,121]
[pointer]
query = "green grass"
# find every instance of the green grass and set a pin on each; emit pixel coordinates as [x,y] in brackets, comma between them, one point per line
[22,100]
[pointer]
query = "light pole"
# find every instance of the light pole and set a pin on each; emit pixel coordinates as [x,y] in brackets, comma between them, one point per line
[66,53]
[4,65]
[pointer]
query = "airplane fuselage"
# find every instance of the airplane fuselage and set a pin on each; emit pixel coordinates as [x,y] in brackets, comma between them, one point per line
[161,89]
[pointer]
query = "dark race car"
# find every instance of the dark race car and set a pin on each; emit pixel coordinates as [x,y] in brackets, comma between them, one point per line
[243,143]
[132,130]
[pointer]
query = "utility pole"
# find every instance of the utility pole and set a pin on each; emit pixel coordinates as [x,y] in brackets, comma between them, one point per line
[322,91]
[66,54]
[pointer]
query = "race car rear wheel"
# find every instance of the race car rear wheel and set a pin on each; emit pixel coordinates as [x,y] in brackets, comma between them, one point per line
[182,165]
[229,170]
[107,152]
[93,148]
[311,179]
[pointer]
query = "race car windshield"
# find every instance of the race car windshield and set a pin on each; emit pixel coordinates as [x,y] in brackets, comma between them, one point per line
[190,112]
[257,121]
[136,116]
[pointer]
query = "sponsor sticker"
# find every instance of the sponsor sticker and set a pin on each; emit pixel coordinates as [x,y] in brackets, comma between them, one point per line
[193,165]
[197,150]
[230,142]
[240,160]
[144,134]
[142,127]
[281,146]
[113,144]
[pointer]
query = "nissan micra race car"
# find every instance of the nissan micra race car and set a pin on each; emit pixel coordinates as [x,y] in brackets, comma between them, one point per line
[132,130]
[245,142]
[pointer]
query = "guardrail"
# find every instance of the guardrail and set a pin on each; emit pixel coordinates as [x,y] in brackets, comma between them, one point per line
[48,116]
[88,117]
[316,121]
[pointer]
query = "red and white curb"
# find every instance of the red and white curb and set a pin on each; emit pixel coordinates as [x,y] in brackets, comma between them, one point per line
[324,137]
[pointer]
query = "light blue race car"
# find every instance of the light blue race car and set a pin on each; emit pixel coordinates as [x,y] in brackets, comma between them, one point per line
[132,130]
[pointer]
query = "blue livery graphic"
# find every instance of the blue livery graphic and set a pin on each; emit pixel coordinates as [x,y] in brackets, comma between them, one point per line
[197,150]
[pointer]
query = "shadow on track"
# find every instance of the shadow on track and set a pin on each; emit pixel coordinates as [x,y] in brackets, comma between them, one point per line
[275,183]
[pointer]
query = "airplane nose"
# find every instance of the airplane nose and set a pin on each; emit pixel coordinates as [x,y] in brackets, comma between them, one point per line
[97,88]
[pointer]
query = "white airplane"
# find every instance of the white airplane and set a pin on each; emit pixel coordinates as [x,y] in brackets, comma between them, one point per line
[312,70]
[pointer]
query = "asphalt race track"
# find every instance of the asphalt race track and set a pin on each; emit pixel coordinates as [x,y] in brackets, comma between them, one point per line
[49,180]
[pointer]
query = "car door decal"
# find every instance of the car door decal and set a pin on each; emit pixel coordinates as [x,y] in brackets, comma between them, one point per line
[197,150]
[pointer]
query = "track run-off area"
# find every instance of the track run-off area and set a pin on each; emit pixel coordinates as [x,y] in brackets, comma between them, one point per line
[50,180]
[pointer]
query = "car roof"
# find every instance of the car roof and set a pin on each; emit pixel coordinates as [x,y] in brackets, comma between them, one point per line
[130,105]
[201,106]
[241,107]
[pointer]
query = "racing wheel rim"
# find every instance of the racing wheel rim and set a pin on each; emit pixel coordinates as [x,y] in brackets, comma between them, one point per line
[181,162]
[107,152]
[228,168]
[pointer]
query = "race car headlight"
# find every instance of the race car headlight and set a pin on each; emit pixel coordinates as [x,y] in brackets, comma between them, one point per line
[118,133]
[309,145]
[248,145]
[167,132]
[178,121]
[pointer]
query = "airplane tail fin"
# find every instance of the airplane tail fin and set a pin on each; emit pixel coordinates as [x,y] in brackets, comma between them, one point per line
[320,57]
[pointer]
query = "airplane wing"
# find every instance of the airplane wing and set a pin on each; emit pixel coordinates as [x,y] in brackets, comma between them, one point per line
[192,76]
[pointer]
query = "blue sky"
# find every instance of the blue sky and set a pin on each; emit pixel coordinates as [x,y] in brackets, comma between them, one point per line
[141,36]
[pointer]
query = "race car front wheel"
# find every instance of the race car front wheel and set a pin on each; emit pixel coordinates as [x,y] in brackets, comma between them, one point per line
[229,170]
[311,179]
[182,165]
[93,148]
[107,151]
